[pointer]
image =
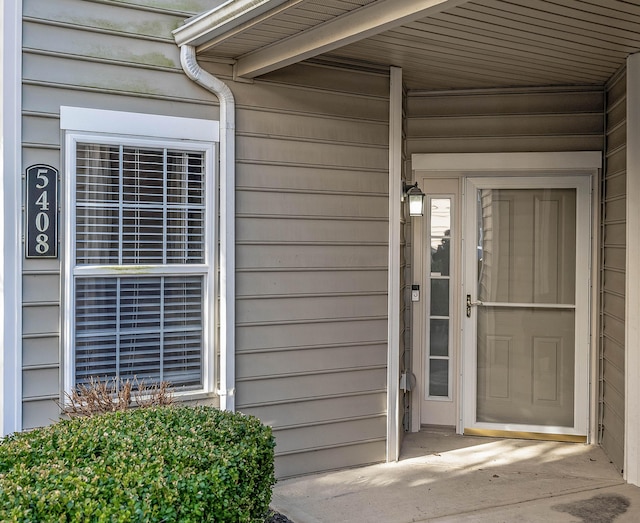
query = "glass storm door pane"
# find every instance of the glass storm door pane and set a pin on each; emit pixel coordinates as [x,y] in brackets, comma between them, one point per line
[526,244]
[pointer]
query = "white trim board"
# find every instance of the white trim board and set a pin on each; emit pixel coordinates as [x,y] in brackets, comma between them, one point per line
[632,294]
[473,162]
[394,276]
[138,124]
[10,219]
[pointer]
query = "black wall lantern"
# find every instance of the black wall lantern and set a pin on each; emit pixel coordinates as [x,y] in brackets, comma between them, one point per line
[415,197]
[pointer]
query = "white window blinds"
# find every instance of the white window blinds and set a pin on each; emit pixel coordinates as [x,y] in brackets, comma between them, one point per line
[144,327]
[139,206]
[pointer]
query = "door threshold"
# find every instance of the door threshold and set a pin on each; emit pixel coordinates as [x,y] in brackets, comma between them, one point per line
[569,438]
[438,428]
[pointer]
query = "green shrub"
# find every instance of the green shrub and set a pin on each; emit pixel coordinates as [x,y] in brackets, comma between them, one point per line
[183,464]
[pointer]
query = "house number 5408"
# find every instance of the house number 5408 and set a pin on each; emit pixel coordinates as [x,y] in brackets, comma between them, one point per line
[42,212]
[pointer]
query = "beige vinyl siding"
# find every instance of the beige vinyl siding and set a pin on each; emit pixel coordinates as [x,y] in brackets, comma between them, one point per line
[312,227]
[516,120]
[311,258]
[613,277]
[105,55]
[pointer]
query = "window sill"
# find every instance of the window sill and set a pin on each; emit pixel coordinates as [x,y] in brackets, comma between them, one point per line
[186,397]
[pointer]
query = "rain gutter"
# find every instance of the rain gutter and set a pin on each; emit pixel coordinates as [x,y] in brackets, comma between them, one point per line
[221,19]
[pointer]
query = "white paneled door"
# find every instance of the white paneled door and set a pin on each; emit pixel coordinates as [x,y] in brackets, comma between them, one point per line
[525,306]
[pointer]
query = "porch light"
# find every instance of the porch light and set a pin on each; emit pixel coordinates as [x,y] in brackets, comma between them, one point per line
[415,197]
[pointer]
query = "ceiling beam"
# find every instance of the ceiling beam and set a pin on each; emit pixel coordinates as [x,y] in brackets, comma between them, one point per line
[369,20]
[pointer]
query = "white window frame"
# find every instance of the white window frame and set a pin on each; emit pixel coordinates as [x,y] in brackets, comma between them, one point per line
[145,130]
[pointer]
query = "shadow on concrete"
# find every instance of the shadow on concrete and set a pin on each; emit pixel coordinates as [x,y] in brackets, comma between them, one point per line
[442,476]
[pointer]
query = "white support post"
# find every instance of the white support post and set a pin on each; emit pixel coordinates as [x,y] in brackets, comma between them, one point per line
[632,298]
[394,411]
[10,219]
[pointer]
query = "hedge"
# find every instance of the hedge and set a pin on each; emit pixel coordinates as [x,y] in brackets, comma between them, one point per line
[186,464]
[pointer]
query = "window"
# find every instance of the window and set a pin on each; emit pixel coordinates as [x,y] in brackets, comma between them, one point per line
[139,260]
[439,277]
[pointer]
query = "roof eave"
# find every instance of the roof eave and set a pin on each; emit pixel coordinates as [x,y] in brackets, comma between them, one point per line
[220,20]
[232,18]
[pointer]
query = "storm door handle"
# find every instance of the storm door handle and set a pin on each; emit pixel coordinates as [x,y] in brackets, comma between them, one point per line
[470,304]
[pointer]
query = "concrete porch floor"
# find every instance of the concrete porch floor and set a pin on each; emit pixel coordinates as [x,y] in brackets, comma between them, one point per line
[444,477]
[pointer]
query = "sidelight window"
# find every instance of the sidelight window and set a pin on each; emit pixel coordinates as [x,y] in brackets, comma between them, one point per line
[439,277]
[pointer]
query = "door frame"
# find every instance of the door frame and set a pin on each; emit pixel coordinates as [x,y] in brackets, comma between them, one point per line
[444,410]
[464,165]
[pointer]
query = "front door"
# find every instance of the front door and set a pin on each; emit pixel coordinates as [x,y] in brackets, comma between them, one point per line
[525,307]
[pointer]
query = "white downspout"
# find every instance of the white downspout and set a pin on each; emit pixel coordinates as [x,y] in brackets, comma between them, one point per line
[227,220]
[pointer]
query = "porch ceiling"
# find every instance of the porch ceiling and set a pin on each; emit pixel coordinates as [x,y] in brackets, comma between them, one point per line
[440,44]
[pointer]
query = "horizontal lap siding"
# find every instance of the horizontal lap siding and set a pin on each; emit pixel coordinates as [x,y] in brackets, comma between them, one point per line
[613,275]
[505,121]
[117,56]
[311,257]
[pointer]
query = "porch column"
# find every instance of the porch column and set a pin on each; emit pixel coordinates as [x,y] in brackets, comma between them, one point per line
[394,285]
[632,299]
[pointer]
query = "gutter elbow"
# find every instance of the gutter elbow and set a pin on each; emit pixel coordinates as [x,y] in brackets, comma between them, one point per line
[196,73]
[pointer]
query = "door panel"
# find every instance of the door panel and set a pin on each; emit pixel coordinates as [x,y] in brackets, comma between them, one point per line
[525,366]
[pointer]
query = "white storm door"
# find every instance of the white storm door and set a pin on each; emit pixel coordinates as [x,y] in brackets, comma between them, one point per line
[526,306]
